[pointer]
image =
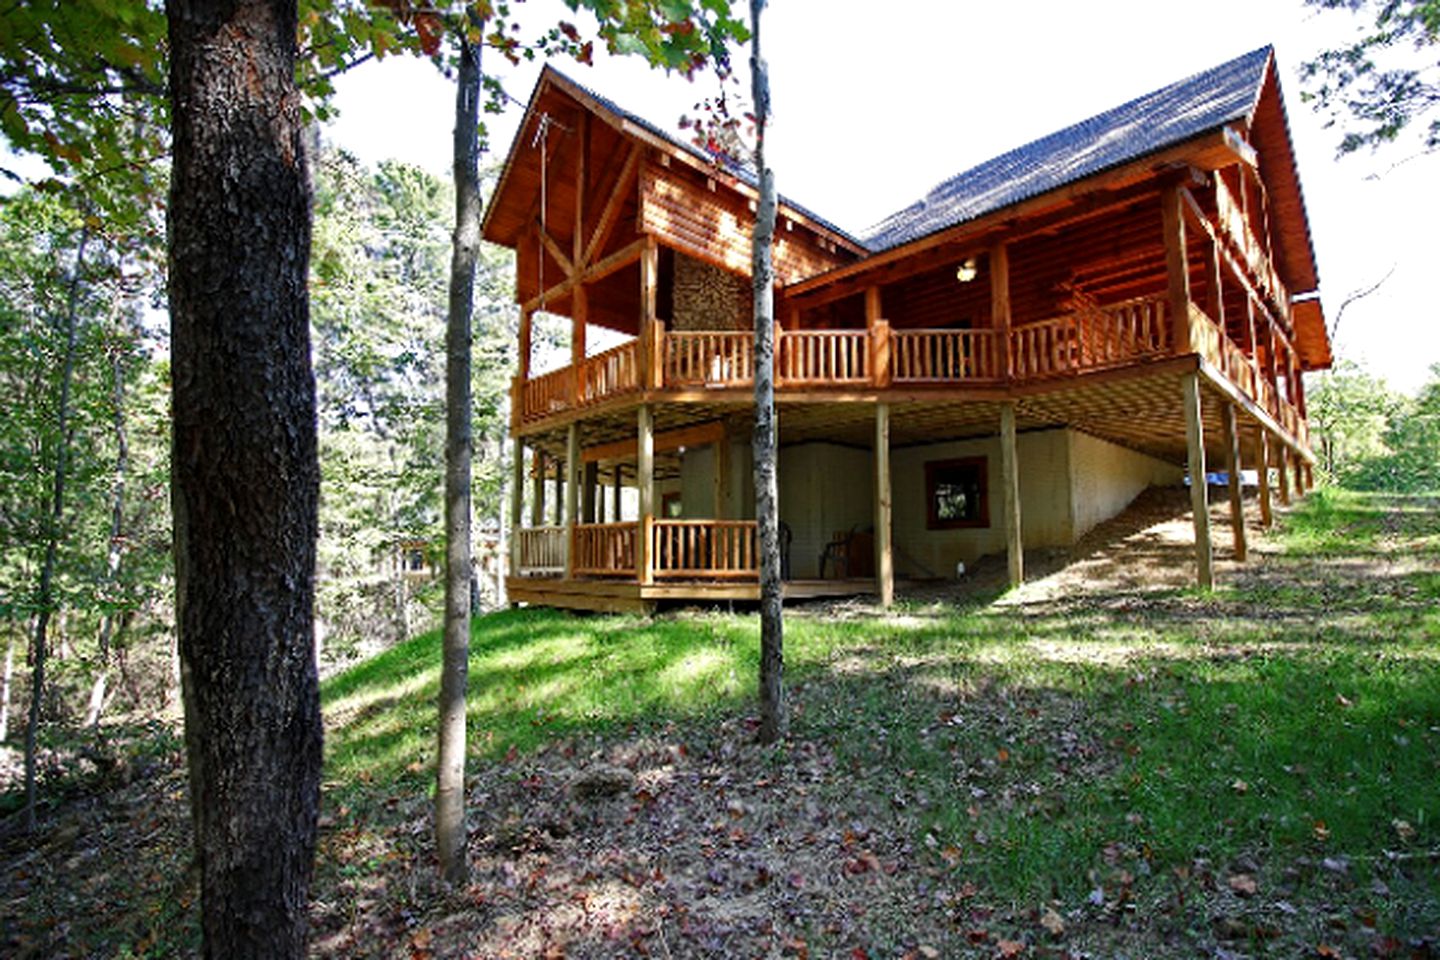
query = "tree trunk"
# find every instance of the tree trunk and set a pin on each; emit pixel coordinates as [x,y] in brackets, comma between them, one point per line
[5,685]
[774,719]
[112,559]
[450,766]
[46,596]
[244,469]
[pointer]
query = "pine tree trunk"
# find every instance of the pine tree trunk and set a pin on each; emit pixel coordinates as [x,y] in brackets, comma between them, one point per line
[99,687]
[774,719]
[450,767]
[244,472]
[45,597]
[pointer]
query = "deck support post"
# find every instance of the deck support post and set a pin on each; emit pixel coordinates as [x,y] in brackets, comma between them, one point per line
[619,485]
[1262,453]
[645,481]
[722,475]
[1233,470]
[1000,304]
[572,494]
[517,504]
[1282,464]
[537,490]
[557,511]
[1298,468]
[589,501]
[1010,481]
[1199,500]
[1309,477]
[884,556]
[1177,271]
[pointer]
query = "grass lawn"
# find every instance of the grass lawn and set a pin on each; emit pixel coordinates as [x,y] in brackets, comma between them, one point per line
[1148,772]
[1083,767]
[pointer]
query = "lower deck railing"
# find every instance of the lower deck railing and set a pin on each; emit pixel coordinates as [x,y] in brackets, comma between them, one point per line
[704,549]
[679,550]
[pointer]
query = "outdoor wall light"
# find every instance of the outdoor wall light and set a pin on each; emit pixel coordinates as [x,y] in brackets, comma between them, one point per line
[967,271]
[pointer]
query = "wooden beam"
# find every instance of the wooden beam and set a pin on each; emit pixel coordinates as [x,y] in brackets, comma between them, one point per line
[596,271]
[572,494]
[884,555]
[1233,472]
[1177,271]
[553,248]
[696,436]
[1199,500]
[1262,468]
[645,481]
[648,362]
[582,159]
[537,490]
[611,212]
[1000,301]
[579,319]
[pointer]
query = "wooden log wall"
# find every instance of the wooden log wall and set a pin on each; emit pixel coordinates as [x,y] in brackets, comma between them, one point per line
[698,216]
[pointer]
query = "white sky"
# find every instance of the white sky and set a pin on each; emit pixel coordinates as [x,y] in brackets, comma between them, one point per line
[877,102]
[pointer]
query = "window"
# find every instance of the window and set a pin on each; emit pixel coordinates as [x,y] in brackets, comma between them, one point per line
[955,494]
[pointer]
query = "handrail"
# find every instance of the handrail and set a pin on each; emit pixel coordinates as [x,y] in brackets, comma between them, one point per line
[609,374]
[709,358]
[822,357]
[541,551]
[944,356]
[605,549]
[704,549]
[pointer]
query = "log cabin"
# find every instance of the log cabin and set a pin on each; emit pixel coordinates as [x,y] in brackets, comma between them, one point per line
[1001,365]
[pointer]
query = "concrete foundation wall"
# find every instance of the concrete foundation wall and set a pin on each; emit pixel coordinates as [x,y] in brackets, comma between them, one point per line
[825,489]
[1104,478]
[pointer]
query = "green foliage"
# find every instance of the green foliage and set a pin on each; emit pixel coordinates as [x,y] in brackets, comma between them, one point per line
[1370,437]
[1384,81]
[380,268]
[1412,462]
[114,372]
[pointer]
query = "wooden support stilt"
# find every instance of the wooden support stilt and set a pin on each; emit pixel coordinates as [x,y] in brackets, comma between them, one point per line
[884,557]
[722,476]
[1309,477]
[572,495]
[1010,480]
[645,480]
[1233,470]
[1297,473]
[1282,464]
[537,490]
[615,514]
[558,510]
[1262,469]
[589,499]
[1199,499]
[517,502]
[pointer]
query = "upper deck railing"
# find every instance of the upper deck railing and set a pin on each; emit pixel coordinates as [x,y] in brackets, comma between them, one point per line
[1097,338]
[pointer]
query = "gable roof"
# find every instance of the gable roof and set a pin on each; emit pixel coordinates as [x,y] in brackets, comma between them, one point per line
[633,123]
[1168,116]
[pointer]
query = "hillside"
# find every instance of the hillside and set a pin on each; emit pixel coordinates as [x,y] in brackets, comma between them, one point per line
[1101,763]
